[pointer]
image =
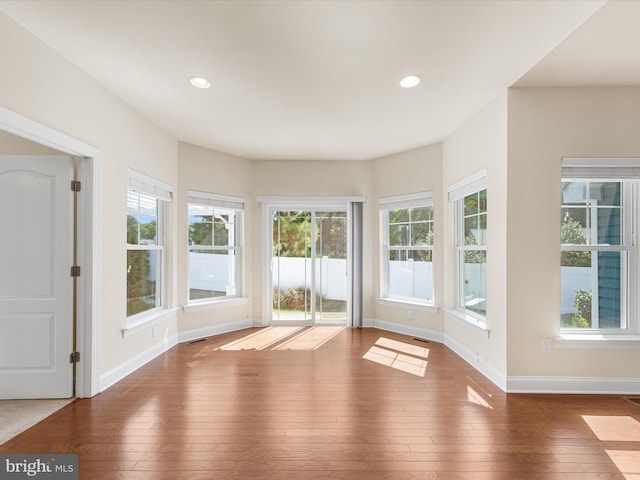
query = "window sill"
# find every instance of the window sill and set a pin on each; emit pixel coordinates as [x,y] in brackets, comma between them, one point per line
[215,304]
[390,302]
[470,320]
[597,341]
[147,320]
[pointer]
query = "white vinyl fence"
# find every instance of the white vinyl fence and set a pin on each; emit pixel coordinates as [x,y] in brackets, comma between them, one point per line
[411,279]
[210,272]
[408,279]
[295,272]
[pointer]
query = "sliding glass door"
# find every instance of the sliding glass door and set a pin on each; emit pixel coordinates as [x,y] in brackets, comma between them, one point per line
[309,266]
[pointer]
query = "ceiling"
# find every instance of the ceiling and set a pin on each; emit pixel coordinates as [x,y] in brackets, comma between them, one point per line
[605,50]
[319,79]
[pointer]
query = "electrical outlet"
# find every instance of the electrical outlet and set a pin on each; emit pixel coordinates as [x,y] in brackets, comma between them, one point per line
[546,345]
[409,315]
[154,331]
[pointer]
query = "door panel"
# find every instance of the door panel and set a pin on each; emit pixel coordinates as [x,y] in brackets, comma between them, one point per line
[33,329]
[28,212]
[36,247]
[331,266]
[309,266]
[291,266]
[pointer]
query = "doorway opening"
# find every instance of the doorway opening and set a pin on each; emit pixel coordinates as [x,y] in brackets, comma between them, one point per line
[87,305]
[309,266]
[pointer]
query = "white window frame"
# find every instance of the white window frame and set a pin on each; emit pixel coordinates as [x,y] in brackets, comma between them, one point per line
[402,202]
[227,202]
[457,192]
[145,185]
[626,171]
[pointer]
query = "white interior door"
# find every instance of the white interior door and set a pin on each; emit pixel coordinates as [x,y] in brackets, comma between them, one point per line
[36,296]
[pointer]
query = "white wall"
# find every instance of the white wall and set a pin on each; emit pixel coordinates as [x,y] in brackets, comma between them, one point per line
[480,144]
[417,170]
[39,84]
[13,145]
[206,170]
[545,125]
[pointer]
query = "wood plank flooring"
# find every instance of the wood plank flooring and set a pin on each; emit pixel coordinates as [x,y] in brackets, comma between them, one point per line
[347,404]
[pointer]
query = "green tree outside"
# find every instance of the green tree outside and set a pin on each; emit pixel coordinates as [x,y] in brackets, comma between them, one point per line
[292,234]
[571,234]
[210,230]
[141,290]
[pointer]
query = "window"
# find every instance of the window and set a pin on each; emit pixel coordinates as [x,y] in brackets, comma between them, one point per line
[146,199]
[407,247]
[472,252]
[215,224]
[598,260]
[470,197]
[595,254]
[598,250]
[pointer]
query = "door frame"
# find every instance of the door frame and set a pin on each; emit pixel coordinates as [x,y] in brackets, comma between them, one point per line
[88,241]
[271,203]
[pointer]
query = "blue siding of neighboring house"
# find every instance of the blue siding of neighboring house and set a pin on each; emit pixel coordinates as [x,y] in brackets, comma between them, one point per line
[609,229]
[609,291]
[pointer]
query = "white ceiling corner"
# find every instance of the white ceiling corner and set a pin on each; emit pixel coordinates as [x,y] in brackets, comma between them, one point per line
[312,79]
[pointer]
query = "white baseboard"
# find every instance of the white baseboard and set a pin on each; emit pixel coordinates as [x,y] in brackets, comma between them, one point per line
[212,330]
[121,371]
[403,329]
[118,373]
[577,385]
[486,369]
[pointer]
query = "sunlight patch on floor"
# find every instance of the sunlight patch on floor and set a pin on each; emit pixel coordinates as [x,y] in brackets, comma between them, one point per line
[262,339]
[627,461]
[403,347]
[476,398]
[392,356]
[610,428]
[311,338]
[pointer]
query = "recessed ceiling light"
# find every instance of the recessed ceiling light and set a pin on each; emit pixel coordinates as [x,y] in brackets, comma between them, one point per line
[410,81]
[200,82]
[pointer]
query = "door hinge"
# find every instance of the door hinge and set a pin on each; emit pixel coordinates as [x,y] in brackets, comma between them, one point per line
[75,271]
[75,186]
[75,357]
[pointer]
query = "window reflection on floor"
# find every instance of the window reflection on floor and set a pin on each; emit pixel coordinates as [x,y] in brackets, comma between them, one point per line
[399,355]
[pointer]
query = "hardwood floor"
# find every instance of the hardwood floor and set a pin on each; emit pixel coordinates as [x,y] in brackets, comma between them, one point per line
[347,404]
